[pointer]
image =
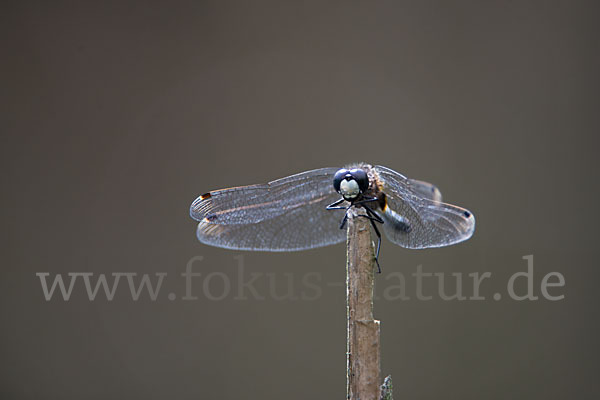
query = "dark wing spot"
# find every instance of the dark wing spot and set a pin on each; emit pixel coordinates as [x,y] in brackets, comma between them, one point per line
[205,196]
[433,189]
[467,214]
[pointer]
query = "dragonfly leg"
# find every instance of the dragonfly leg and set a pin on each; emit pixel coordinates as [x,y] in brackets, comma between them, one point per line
[375,218]
[369,200]
[345,218]
[378,246]
[333,205]
[372,215]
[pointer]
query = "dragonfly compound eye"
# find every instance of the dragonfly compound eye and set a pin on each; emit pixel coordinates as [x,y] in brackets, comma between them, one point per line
[361,178]
[338,178]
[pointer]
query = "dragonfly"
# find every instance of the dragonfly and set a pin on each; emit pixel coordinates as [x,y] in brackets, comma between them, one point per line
[298,212]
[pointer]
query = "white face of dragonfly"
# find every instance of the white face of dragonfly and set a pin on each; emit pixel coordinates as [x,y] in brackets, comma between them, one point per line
[349,188]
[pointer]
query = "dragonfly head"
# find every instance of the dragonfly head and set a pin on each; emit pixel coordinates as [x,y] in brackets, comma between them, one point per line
[350,183]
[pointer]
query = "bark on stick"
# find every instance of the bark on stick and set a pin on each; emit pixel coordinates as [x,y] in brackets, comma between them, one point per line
[363,348]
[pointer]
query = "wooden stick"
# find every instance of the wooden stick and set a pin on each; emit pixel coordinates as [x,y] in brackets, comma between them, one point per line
[363,348]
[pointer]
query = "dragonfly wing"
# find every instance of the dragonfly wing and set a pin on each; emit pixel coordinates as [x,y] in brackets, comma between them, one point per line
[415,221]
[283,215]
[426,190]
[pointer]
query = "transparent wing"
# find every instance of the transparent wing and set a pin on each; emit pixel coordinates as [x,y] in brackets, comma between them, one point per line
[283,215]
[426,190]
[415,221]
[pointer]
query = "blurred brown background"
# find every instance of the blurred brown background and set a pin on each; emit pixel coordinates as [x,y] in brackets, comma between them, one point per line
[116,115]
